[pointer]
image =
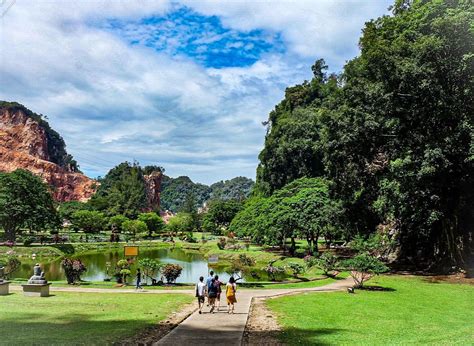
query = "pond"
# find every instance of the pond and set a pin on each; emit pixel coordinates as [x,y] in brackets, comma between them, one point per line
[194,265]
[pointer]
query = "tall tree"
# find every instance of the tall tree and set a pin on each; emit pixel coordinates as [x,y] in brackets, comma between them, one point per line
[25,202]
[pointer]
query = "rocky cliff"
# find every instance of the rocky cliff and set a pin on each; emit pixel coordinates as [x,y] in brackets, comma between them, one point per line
[27,142]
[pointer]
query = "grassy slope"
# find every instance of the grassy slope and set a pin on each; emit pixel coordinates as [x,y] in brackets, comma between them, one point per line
[81,318]
[415,312]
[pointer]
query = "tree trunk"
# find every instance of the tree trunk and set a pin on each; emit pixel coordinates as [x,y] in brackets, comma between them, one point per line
[10,234]
[293,246]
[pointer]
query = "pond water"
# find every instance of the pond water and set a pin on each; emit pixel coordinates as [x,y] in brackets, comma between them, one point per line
[194,265]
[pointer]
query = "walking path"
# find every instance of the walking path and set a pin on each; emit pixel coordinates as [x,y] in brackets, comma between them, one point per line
[208,328]
[221,328]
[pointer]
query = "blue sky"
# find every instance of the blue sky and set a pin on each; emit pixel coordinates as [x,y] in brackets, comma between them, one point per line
[182,84]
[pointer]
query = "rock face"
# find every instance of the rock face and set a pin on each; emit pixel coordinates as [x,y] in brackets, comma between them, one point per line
[24,144]
[153,188]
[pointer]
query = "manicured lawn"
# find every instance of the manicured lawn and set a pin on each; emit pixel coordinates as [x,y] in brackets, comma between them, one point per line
[413,311]
[82,318]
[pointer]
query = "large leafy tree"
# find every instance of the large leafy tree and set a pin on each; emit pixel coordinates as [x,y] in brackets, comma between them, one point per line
[153,222]
[88,221]
[395,135]
[25,202]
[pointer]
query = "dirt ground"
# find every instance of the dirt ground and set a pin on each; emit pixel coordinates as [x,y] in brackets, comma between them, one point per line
[459,278]
[262,327]
[151,335]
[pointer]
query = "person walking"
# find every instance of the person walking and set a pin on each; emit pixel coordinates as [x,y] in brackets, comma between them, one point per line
[230,290]
[218,284]
[139,279]
[212,294]
[200,292]
[208,284]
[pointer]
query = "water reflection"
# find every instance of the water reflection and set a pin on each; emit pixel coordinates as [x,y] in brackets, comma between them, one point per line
[194,265]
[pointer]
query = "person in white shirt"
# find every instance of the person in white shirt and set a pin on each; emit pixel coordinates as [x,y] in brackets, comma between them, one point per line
[200,292]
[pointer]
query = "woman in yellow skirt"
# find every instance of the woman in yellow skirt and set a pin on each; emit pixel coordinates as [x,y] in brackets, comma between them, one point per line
[230,289]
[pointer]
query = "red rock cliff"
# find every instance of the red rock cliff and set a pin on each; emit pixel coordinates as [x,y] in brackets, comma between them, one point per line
[24,144]
[153,187]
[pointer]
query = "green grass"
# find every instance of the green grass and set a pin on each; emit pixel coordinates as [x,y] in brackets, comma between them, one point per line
[409,311]
[82,318]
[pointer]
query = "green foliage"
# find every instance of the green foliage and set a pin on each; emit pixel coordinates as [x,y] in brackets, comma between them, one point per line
[136,228]
[303,208]
[181,222]
[363,267]
[220,215]
[66,209]
[122,191]
[153,222]
[393,132]
[175,191]
[295,268]
[25,202]
[12,265]
[149,266]
[88,221]
[273,271]
[238,188]
[116,222]
[171,272]
[327,262]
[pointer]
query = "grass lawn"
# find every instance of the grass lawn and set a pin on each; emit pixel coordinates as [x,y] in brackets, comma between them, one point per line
[409,311]
[82,318]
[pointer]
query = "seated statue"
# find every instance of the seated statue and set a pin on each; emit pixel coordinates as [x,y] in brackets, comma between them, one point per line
[38,276]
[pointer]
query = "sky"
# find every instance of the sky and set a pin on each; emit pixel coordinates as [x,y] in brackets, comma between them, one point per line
[181,84]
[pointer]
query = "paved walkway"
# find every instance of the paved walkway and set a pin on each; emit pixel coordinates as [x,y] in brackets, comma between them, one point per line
[221,328]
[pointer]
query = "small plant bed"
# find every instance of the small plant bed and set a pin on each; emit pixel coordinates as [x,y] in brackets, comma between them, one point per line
[83,318]
[391,310]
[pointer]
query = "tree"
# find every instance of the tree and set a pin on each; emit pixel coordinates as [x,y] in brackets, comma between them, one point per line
[190,207]
[150,267]
[116,222]
[25,202]
[180,223]
[220,214]
[88,221]
[135,227]
[153,222]
[363,267]
[122,191]
[67,209]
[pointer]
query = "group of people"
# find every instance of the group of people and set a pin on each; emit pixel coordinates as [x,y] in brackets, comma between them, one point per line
[212,289]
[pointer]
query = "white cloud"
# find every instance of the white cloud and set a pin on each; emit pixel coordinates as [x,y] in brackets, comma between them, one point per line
[113,101]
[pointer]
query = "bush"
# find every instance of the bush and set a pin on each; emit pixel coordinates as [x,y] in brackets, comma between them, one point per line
[272,271]
[295,268]
[27,241]
[73,268]
[363,267]
[12,265]
[327,262]
[222,243]
[171,272]
[150,267]
[122,270]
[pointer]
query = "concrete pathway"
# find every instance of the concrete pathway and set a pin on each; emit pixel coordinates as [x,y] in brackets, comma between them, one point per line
[221,328]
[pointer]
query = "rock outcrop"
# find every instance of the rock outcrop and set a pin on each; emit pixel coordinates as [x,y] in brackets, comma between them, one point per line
[153,188]
[25,143]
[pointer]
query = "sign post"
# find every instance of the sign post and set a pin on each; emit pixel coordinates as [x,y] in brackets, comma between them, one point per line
[130,251]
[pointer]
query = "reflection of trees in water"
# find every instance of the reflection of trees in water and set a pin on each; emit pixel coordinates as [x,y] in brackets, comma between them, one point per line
[194,265]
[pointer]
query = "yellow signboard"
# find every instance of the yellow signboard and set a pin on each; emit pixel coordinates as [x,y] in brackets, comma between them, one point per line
[131,251]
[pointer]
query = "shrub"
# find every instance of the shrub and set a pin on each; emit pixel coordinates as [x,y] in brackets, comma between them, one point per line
[149,266]
[295,268]
[73,268]
[27,241]
[363,267]
[246,260]
[122,270]
[171,272]
[12,265]
[327,262]
[272,271]
[222,243]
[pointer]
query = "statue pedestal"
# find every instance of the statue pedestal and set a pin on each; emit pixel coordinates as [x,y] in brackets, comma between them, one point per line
[4,286]
[36,290]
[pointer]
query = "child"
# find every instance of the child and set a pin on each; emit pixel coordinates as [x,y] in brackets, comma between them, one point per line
[230,289]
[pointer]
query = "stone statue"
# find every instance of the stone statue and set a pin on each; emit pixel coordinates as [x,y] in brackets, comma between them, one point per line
[38,276]
[2,273]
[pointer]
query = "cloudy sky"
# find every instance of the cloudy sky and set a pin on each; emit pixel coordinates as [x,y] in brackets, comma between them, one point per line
[181,84]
